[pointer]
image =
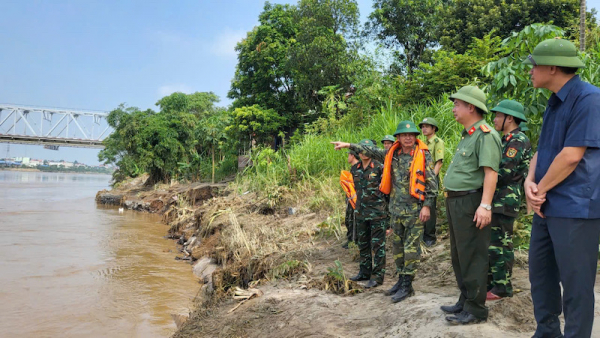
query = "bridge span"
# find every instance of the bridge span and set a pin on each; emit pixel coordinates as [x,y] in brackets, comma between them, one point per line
[52,126]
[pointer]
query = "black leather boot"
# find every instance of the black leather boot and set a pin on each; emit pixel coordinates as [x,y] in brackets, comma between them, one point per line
[452,309]
[406,290]
[395,288]
[359,277]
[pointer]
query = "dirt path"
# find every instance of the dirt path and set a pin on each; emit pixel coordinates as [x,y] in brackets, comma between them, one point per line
[288,310]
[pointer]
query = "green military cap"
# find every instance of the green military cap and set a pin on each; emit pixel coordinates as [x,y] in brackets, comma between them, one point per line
[431,121]
[367,142]
[523,126]
[406,127]
[512,108]
[554,52]
[472,95]
[388,138]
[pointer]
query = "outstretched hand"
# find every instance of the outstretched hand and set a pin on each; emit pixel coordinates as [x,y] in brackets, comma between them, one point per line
[340,145]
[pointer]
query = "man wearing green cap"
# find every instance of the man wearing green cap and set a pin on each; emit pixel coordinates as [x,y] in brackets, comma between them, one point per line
[387,141]
[563,188]
[349,221]
[470,183]
[409,179]
[429,127]
[371,218]
[516,154]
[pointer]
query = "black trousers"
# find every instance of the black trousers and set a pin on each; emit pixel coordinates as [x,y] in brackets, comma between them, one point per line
[469,250]
[563,251]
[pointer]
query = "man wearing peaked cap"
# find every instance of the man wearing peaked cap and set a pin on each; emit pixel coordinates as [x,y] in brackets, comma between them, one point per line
[387,141]
[470,183]
[516,154]
[429,126]
[409,179]
[563,188]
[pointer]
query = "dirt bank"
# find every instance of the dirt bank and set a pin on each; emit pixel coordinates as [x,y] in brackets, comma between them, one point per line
[264,272]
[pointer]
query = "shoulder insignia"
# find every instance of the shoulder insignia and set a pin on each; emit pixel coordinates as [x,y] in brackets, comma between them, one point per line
[484,128]
[471,131]
[436,140]
[511,152]
[508,137]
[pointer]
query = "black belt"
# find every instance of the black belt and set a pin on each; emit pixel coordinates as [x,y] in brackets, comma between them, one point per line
[461,193]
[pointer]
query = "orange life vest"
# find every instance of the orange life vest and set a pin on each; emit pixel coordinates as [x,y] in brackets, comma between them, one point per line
[417,171]
[347,183]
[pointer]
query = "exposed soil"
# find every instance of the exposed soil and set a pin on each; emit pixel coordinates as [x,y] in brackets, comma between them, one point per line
[242,241]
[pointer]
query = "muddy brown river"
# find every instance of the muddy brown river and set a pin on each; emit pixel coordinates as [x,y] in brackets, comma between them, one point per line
[69,268]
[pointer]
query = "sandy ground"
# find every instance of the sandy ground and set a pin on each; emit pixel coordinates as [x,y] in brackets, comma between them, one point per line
[286,309]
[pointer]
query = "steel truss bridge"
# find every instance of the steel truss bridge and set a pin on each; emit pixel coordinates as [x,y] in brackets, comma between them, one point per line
[52,126]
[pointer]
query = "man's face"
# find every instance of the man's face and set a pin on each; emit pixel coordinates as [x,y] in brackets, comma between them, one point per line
[363,157]
[407,140]
[387,145]
[498,121]
[540,76]
[350,158]
[427,129]
[461,110]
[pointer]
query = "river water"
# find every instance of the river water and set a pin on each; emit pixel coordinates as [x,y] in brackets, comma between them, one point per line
[70,268]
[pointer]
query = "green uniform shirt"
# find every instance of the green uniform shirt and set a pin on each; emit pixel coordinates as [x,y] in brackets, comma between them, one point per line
[401,203]
[436,148]
[514,167]
[370,202]
[476,149]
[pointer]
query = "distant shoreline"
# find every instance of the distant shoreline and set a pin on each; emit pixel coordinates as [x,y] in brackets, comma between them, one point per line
[50,171]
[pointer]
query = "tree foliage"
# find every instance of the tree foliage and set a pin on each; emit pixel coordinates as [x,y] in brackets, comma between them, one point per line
[462,20]
[293,53]
[407,26]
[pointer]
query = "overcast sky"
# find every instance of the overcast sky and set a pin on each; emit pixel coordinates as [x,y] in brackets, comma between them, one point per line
[96,54]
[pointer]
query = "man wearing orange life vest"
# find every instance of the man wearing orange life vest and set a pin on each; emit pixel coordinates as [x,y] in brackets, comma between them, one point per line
[410,180]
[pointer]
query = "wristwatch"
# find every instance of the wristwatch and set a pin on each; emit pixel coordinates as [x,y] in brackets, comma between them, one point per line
[486,206]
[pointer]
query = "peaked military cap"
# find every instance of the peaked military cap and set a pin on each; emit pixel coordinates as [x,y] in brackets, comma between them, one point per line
[555,52]
[472,95]
[406,127]
[431,121]
[512,108]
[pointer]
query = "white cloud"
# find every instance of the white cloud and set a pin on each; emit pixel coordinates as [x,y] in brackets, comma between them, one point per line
[170,89]
[224,43]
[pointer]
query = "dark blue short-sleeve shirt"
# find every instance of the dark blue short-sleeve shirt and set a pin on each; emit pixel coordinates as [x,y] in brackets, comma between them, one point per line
[572,119]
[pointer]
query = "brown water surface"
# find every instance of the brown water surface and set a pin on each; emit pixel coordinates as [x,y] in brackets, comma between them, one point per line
[69,268]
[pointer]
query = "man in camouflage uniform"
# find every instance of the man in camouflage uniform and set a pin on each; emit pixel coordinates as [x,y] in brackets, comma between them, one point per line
[407,213]
[371,218]
[349,221]
[387,141]
[516,154]
[429,127]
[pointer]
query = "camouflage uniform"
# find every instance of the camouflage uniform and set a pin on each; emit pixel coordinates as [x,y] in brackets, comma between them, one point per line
[371,219]
[514,166]
[404,209]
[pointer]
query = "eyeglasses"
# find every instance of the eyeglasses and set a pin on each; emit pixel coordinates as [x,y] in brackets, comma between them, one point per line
[532,60]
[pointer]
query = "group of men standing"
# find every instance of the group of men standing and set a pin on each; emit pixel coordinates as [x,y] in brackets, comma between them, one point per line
[397,187]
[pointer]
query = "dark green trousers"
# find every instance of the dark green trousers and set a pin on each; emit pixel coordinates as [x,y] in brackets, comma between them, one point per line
[371,244]
[502,255]
[429,228]
[469,250]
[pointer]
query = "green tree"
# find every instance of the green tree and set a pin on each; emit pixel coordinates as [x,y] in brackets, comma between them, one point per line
[212,134]
[254,123]
[462,20]
[292,54]
[408,26]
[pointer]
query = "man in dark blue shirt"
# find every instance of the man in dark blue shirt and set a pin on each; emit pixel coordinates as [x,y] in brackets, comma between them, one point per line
[563,188]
